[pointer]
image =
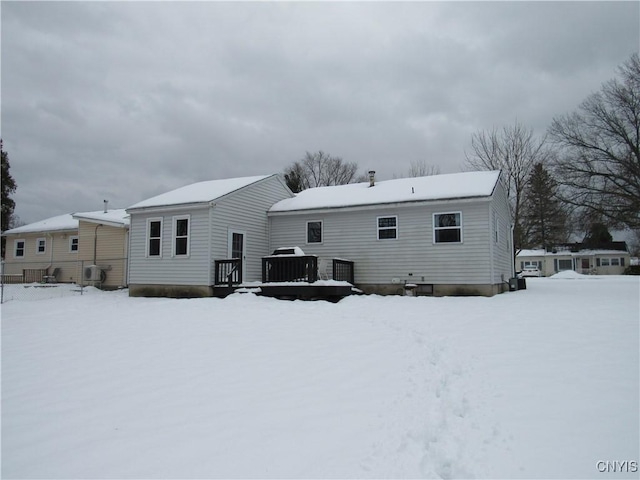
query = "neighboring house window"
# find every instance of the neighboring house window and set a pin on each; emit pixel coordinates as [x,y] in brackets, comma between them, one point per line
[314,232]
[533,263]
[73,244]
[41,245]
[447,227]
[18,250]
[604,262]
[387,227]
[563,265]
[181,236]
[154,237]
[622,261]
[615,262]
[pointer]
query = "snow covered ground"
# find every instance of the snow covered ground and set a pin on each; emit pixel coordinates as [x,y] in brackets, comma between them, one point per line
[540,383]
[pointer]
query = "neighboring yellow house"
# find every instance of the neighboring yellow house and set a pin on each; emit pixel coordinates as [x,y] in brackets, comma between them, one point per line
[103,252]
[89,248]
[42,251]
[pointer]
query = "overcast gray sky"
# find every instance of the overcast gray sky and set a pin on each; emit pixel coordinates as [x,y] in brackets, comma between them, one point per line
[126,100]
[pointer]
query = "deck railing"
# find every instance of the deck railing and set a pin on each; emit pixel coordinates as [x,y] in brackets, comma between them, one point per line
[343,270]
[281,268]
[228,271]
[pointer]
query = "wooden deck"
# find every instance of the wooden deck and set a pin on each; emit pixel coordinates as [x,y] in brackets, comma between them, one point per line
[288,277]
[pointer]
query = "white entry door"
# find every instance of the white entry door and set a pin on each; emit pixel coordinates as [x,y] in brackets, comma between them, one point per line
[238,248]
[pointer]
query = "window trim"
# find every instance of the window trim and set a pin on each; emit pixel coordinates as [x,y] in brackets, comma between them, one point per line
[44,250]
[174,235]
[15,247]
[321,232]
[434,228]
[71,239]
[604,262]
[149,238]
[379,228]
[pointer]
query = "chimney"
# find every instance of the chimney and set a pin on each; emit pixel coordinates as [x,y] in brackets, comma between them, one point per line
[106,205]
[372,178]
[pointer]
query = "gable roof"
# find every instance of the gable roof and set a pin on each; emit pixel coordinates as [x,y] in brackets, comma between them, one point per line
[52,224]
[434,187]
[117,217]
[197,193]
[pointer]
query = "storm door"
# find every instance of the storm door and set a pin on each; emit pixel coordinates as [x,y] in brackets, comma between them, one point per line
[237,248]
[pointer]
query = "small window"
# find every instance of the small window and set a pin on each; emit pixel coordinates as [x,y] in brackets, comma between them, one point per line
[41,246]
[73,244]
[615,262]
[154,237]
[314,232]
[447,227]
[181,236]
[622,261]
[387,228]
[604,262]
[18,250]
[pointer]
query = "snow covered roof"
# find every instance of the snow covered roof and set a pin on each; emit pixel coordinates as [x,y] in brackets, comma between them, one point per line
[434,187]
[53,224]
[541,252]
[200,192]
[116,217]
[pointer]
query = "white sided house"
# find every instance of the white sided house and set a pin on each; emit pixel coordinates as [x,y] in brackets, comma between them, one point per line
[180,241]
[446,234]
[610,259]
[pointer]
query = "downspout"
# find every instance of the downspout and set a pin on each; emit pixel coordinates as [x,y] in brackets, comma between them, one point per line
[50,252]
[95,243]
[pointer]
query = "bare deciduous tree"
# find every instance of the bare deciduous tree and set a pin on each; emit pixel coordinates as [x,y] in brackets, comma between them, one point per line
[420,168]
[514,150]
[318,170]
[599,161]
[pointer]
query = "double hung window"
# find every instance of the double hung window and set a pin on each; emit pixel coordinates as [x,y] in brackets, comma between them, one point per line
[154,237]
[314,231]
[387,227]
[447,227]
[181,236]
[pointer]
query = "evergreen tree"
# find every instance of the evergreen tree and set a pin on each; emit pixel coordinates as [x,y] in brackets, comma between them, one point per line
[545,218]
[8,187]
[597,236]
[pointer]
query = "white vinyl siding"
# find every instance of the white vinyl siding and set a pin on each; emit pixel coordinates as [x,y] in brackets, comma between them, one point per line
[243,210]
[352,235]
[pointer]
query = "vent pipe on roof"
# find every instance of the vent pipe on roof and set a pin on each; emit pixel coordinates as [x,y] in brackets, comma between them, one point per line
[372,178]
[106,205]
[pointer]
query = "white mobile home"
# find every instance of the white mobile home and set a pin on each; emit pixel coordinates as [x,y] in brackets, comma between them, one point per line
[179,240]
[446,234]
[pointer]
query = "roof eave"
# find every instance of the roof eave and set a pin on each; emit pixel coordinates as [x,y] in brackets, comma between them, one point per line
[372,206]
